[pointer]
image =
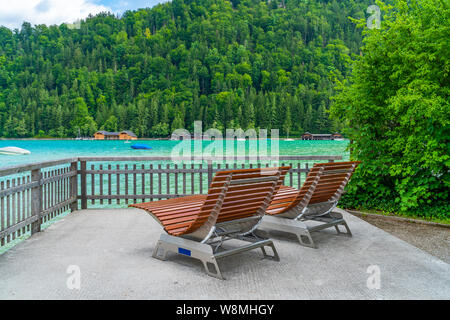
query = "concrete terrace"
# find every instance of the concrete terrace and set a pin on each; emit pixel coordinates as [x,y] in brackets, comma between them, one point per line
[113,249]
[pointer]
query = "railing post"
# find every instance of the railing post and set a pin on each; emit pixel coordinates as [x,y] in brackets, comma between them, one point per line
[74,186]
[210,172]
[36,200]
[351,150]
[83,185]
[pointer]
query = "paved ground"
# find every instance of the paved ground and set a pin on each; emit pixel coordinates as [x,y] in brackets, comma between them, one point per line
[431,238]
[113,250]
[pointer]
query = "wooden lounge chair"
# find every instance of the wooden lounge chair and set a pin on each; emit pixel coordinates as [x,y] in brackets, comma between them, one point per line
[314,202]
[197,225]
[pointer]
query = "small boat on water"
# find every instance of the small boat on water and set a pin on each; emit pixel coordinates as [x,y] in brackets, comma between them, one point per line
[13,151]
[141,147]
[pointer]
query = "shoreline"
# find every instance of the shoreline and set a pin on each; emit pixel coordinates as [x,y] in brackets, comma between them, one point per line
[142,139]
[71,139]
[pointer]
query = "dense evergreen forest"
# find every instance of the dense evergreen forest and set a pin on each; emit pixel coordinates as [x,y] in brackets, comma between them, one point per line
[239,64]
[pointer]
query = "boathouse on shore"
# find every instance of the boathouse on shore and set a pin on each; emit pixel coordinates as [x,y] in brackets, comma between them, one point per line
[321,136]
[123,135]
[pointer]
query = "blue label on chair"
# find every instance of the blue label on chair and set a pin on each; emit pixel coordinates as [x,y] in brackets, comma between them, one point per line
[184,251]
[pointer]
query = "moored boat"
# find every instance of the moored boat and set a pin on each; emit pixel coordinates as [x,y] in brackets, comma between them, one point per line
[13,151]
[141,146]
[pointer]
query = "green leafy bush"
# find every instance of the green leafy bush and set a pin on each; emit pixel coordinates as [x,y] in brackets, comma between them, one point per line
[396,109]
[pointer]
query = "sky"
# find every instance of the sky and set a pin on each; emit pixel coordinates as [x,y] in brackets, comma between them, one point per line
[14,12]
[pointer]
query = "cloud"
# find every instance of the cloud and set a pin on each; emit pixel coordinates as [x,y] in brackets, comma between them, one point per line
[14,13]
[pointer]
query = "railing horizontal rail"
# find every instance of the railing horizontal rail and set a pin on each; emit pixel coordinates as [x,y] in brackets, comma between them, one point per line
[33,166]
[137,171]
[206,158]
[136,196]
[18,226]
[58,206]
[19,188]
[59,177]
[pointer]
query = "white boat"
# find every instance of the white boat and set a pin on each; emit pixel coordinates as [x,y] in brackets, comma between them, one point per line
[241,139]
[13,151]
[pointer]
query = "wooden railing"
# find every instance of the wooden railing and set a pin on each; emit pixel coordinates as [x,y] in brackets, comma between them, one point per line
[32,195]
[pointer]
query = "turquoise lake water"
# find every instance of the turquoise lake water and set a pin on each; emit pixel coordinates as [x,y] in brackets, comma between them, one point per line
[44,150]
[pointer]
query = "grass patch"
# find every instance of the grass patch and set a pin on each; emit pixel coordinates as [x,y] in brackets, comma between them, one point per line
[407,215]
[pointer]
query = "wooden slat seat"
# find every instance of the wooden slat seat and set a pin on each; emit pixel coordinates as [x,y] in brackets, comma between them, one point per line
[315,200]
[168,211]
[285,197]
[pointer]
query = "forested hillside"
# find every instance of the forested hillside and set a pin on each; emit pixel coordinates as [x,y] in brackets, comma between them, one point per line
[248,64]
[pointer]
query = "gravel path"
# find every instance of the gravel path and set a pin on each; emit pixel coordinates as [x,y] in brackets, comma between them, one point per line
[431,238]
